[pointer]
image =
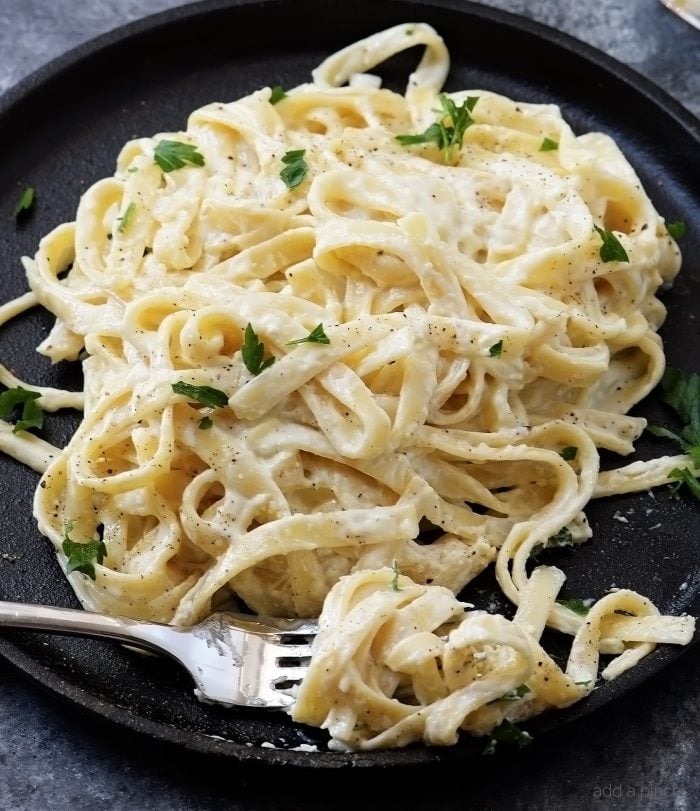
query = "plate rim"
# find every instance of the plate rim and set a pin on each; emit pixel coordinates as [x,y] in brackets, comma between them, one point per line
[17,92]
[61,688]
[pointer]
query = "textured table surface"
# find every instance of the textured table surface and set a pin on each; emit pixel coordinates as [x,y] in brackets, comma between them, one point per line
[640,753]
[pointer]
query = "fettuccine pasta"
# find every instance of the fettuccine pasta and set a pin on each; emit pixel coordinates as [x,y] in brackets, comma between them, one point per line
[344,340]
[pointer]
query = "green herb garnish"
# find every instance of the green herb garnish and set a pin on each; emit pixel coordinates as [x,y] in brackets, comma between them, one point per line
[395,579]
[205,423]
[496,350]
[507,732]
[676,229]
[31,417]
[568,454]
[612,249]
[685,477]
[548,145]
[576,605]
[253,352]
[206,395]
[316,336]
[683,395]
[82,556]
[277,94]
[448,131]
[171,155]
[126,217]
[517,694]
[25,202]
[561,538]
[295,168]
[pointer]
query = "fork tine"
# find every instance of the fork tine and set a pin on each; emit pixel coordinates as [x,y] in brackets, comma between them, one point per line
[289,651]
[304,628]
[290,674]
[264,626]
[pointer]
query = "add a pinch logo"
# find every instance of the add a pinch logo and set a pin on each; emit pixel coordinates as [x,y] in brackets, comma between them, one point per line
[628,790]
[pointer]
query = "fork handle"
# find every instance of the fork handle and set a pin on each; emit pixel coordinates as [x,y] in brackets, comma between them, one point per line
[77,621]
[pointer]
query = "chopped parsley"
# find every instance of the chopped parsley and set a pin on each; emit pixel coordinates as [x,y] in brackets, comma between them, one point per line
[561,538]
[295,168]
[31,415]
[395,579]
[496,350]
[82,556]
[206,395]
[676,229]
[171,155]
[683,395]
[685,477]
[612,249]
[277,94]
[316,336]
[568,454]
[253,352]
[548,145]
[507,732]
[575,604]
[126,217]
[25,203]
[448,131]
[517,694]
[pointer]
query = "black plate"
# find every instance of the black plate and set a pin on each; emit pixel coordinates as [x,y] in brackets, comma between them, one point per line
[61,129]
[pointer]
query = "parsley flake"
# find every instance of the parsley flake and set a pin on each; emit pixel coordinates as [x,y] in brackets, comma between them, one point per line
[548,145]
[295,168]
[682,393]
[277,94]
[576,604]
[205,423]
[685,477]
[25,203]
[507,732]
[561,538]
[253,352]
[517,694]
[82,556]
[31,415]
[316,336]
[676,229]
[447,136]
[126,217]
[206,395]
[496,350]
[395,579]
[612,249]
[171,155]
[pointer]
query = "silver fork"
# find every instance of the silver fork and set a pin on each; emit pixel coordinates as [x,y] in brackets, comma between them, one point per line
[234,659]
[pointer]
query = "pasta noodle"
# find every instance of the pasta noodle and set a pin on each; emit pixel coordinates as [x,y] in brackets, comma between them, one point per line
[474,350]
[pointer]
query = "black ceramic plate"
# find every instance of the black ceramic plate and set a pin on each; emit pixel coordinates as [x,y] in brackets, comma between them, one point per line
[61,129]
